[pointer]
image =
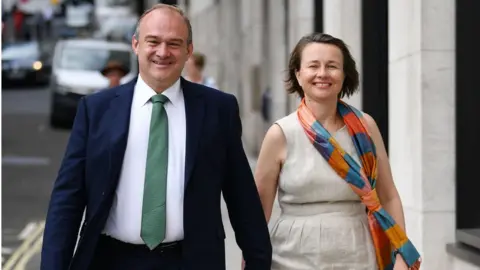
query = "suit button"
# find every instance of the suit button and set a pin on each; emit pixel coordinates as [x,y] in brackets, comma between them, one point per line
[103,193]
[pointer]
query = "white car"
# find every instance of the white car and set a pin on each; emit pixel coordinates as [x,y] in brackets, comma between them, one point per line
[76,73]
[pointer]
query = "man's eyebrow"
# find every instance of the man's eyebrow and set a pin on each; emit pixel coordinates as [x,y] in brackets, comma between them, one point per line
[150,36]
[173,39]
[177,40]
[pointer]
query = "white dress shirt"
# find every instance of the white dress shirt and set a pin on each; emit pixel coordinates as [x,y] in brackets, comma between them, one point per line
[124,221]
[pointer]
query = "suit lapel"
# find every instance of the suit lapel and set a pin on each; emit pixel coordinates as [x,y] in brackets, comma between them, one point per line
[119,113]
[194,112]
[119,117]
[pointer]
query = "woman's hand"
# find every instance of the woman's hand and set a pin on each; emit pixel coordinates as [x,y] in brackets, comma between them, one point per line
[400,263]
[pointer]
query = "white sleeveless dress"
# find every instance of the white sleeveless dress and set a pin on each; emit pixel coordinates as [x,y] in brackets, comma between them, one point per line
[322,225]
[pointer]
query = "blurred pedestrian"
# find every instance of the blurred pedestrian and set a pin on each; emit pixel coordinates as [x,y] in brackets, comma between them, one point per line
[194,70]
[340,206]
[114,71]
[267,105]
[48,14]
[148,162]
[18,22]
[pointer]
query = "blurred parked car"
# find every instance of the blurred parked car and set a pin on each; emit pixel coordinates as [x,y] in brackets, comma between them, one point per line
[76,73]
[28,62]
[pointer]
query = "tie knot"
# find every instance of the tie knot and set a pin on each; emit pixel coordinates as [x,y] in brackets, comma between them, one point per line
[159,98]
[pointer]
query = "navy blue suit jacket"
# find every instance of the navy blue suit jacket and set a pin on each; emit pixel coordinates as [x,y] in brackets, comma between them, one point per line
[215,163]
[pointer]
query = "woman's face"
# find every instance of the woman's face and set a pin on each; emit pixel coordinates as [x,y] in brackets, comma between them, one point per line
[321,71]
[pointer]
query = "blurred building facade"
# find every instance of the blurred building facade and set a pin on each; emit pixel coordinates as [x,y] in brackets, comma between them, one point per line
[415,67]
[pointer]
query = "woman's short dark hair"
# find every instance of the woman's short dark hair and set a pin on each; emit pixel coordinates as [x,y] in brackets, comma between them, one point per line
[351,81]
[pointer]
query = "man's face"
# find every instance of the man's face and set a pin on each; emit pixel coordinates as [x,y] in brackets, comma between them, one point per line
[162,47]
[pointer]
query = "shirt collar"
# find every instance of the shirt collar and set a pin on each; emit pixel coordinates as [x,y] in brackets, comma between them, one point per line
[143,93]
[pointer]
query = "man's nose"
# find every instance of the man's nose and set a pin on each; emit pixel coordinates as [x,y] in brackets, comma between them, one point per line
[162,50]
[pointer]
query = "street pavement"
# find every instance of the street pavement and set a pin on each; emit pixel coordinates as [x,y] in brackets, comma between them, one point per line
[31,156]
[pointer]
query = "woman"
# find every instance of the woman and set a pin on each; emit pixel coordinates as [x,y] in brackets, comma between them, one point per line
[330,167]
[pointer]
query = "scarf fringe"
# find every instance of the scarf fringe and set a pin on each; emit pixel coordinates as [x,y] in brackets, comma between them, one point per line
[416,265]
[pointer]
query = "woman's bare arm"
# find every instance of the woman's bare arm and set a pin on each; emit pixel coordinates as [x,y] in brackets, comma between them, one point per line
[387,192]
[270,160]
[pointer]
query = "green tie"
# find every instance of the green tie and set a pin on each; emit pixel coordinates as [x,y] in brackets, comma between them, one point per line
[155,191]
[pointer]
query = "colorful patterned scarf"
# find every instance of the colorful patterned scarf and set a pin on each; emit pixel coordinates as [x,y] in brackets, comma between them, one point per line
[388,237]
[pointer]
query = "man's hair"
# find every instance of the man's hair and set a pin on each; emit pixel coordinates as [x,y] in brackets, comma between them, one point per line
[172,8]
[199,60]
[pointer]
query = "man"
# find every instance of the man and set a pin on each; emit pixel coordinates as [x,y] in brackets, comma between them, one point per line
[149,160]
[114,71]
[194,69]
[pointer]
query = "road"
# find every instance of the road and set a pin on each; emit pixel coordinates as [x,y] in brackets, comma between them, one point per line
[30,157]
[32,153]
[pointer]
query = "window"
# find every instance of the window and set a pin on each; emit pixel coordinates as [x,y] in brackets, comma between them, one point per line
[93,59]
[318,15]
[467,141]
[20,50]
[375,63]
[169,2]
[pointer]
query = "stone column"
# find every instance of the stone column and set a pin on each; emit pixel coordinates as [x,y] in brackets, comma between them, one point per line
[251,71]
[342,19]
[278,58]
[301,23]
[422,123]
[204,17]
